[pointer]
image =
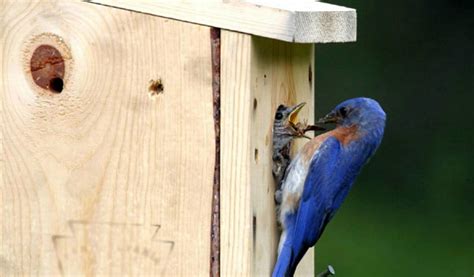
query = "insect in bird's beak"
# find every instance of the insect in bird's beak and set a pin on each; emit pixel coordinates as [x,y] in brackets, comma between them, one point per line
[294,113]
[314,128]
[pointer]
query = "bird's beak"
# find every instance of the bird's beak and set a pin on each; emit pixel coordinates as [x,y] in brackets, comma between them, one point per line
[294,113]
[314,128]
[329,118]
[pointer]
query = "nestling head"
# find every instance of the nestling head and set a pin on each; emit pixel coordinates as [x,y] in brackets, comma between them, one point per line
[287,115]
[364,112]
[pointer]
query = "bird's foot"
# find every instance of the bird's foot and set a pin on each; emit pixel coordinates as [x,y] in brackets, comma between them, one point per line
[278,196]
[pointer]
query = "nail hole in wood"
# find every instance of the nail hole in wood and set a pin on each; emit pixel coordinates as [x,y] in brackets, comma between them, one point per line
[255,103]
[254,229]
[256,154]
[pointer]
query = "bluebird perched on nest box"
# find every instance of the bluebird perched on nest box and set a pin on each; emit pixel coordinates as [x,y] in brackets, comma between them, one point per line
[285,128]
[320,176]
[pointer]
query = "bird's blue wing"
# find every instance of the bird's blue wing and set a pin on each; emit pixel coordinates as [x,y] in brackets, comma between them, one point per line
[314,211]
[315,208]
[330,177]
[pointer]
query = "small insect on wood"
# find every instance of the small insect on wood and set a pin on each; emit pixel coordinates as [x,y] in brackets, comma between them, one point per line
[156,87]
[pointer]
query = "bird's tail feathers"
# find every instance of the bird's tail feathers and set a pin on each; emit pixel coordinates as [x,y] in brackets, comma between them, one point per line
[288,257]
[284,262]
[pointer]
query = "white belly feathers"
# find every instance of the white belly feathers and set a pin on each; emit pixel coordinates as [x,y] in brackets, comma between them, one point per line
[293,187]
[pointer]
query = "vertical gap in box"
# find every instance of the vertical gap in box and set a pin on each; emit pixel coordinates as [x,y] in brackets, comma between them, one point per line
[216,95]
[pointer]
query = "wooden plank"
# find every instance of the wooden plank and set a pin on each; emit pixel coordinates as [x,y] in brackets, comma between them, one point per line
[102,178]
[293,21]
[257,75]
[282,73]
[236,105]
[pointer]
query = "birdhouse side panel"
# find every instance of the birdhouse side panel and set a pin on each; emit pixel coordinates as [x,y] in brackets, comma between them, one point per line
[108,142]
[283,73]
[257,75]
[235,153]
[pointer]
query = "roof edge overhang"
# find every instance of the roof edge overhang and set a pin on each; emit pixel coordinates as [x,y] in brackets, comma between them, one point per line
[293,21]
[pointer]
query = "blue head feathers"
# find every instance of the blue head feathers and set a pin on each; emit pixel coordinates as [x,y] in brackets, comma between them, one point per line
[364,112]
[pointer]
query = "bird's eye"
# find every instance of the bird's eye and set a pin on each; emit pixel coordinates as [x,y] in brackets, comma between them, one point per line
[343,111]
[278,116]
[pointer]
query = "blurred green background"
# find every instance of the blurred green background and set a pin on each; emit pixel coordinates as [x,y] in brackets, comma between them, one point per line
[410,212]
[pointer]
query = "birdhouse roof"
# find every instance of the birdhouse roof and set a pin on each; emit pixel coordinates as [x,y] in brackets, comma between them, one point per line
[300,21]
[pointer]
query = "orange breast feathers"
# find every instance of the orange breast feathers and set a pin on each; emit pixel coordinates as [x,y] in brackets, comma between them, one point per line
[343,134]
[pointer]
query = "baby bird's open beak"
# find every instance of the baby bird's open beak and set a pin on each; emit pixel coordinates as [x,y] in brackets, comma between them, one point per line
[294,113]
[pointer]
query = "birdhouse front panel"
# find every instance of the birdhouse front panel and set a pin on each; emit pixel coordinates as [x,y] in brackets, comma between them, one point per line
[108,142]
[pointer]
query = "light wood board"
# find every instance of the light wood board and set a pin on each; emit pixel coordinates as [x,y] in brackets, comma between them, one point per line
[294,21]
[103,179]
[236,209]
[257,76]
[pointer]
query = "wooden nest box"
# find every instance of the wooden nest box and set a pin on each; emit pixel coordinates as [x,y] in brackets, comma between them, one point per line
[136,136]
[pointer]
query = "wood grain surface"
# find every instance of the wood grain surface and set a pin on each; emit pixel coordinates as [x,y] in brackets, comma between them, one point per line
[105,177]
[236,103]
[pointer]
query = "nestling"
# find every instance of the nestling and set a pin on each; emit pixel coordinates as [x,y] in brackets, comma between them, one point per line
[285,129]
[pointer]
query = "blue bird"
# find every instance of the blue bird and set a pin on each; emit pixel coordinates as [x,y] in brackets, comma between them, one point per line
[322,173]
